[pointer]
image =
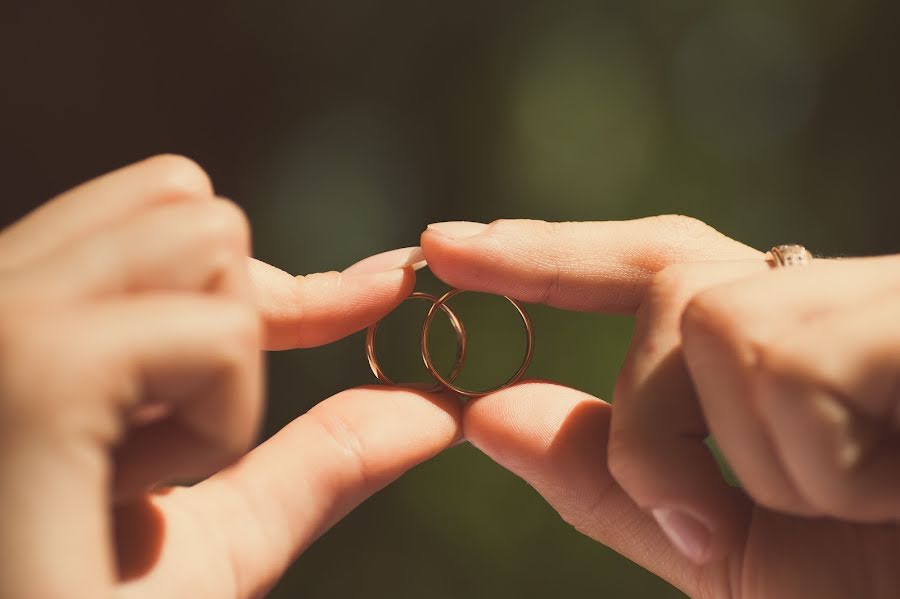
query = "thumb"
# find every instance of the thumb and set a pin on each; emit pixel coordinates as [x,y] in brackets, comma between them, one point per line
[555,438]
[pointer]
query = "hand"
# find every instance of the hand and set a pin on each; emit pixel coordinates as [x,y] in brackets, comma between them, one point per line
[130,328]
[794,372]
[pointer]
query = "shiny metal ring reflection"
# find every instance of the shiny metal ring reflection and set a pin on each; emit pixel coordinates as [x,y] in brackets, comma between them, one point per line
[441,304]
[460,348]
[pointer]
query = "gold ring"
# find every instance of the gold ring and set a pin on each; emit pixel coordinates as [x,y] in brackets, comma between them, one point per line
[460,347]
[789,256]
[448,382]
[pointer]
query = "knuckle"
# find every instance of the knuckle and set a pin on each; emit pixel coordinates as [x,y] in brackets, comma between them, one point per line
[675,282]
[244,326]
[347,442]
[708,312]
[327,283]
[503,226]
[237,358]
[226,221]
[238,339]
[682,225]
[181,174]
[773,363]
[620,456]
[540,241]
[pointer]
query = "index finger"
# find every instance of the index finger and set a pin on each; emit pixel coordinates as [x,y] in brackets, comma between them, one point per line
[556,438]
[588,266]
[311,310]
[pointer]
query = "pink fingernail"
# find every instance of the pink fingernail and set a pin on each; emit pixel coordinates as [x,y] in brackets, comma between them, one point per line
[392,260]
[687,533]
[457,229]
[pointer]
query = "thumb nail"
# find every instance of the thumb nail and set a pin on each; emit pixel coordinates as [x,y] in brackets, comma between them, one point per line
[457,230]
[687,533]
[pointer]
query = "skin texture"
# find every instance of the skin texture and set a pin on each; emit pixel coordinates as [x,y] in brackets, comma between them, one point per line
[793,371]
[127,363]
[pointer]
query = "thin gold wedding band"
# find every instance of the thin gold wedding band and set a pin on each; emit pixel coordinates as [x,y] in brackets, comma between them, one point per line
[440,304]
[460,347]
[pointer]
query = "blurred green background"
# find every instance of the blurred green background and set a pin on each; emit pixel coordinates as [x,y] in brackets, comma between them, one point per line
[344,127]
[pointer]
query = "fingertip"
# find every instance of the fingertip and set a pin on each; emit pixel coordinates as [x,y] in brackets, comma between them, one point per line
[438,250]
[312,310]
[431,422]
[177,173]
[454,251]
[543,428]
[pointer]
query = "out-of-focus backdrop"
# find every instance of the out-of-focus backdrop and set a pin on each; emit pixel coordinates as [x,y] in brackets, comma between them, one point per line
[344,127]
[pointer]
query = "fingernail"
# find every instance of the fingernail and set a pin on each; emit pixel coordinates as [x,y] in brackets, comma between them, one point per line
[392,260]
[457,230]
[687,533]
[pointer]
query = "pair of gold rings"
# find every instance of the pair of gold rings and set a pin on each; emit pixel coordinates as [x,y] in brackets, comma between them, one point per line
[446,383]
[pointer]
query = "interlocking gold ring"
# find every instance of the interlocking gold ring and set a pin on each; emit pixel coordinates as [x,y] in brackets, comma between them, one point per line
[789,256]
[460,346]
[448,383]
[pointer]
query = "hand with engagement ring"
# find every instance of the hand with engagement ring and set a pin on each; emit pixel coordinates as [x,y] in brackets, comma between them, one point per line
[790,363]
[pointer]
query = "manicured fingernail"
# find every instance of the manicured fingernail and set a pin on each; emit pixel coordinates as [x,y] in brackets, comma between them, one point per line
[457,230]
[403,258]
[687,533]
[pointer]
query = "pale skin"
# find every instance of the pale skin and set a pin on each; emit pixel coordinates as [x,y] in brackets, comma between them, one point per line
[131,326]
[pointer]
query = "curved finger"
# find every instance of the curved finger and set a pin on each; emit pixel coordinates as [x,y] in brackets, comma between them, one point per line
[727,332]
[759,307]
[195,362]
[556,439]
[92,206]
[311,310]
[194,357]
[605,266]
[657,448]
[190,246]
[252,520]
[828,394]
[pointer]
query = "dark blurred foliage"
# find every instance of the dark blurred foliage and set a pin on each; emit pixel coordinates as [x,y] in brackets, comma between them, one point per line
[344,127]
